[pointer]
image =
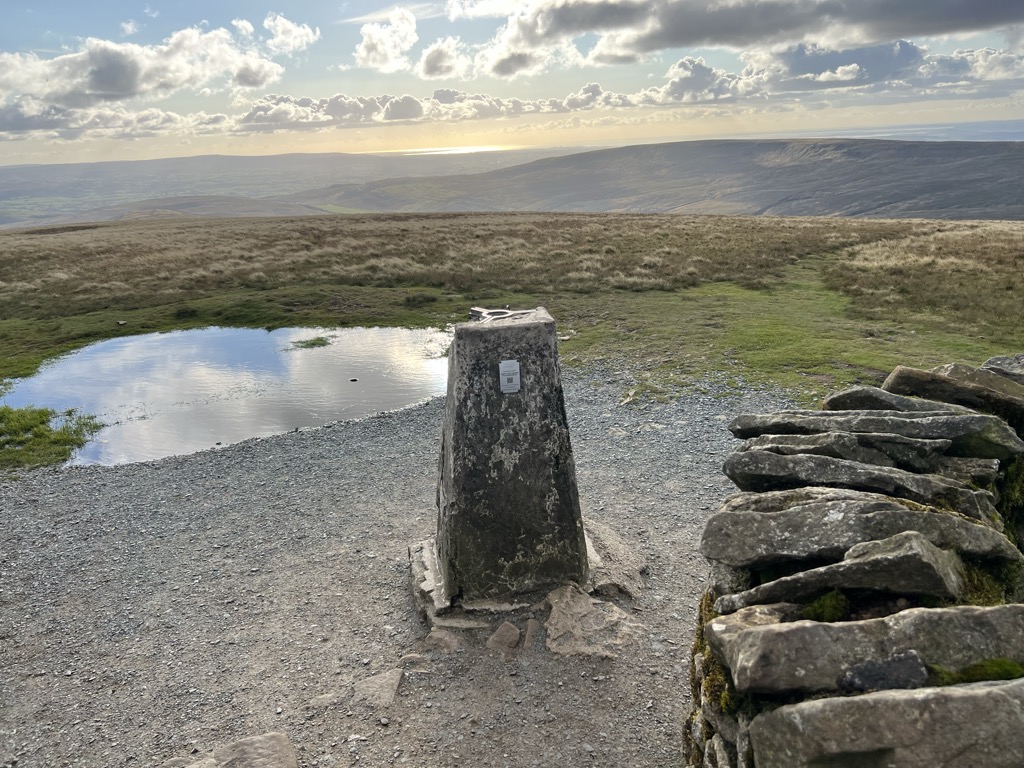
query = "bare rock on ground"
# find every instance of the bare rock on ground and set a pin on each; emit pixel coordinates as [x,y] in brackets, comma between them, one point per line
[378,691]
[580,625]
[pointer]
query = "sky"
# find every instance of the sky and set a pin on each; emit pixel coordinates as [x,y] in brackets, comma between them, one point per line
[116,79]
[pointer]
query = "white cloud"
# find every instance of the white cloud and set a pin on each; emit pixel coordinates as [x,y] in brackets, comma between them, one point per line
[129,28]
[151,13]
[244,27]
[480,9]
[102,71]
[384,46]
[419,10]
[445,58]
[287,36]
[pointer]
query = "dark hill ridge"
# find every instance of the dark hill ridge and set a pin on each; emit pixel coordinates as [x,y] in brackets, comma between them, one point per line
[772,177]
[797,177]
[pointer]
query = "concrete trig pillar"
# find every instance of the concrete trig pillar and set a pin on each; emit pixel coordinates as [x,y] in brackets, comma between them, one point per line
[508,517]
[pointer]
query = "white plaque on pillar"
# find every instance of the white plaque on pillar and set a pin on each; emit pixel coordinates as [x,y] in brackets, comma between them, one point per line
[508,371]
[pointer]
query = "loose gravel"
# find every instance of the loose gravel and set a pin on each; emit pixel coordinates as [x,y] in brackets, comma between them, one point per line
[152,612]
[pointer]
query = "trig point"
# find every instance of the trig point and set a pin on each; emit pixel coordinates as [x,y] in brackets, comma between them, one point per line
[508,511]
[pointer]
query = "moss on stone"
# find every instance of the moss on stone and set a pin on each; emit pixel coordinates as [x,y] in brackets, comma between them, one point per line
[983,586]
[987,669]
[830,607]
[1011,501]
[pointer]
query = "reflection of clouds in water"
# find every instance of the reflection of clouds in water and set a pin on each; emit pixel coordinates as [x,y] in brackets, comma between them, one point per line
[186,391]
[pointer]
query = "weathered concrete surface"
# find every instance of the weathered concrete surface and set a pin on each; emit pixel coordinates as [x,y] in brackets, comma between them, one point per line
[810,656]
[863,398]
[883,450]
[977,435]
[902,564]
[824,526]
[764,471]
[936,386]
[508,506]
[969,726]
[1010,367]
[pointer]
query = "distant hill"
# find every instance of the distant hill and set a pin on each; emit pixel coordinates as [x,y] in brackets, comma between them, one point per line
[34,194]
[859,177]
[805,177]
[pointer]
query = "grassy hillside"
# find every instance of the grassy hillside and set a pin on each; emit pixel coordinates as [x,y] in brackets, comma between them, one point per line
[811,303]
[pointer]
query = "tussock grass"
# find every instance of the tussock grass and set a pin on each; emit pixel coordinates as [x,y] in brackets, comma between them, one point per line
[32,437]
[811,303]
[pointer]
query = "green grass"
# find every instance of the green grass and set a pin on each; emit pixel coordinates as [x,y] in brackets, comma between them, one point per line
[313,343]
[33,437]
[805,304]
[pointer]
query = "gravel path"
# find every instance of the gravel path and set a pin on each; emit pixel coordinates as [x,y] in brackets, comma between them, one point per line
[152,612]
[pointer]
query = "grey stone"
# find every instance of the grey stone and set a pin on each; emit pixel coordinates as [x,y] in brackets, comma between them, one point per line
[971,726]
[900,671]
[580,625]
[972,434]
[379,690]
[271,750]
[1010,367]
[721,722]
[764,471]
[824,523]
[508,506]
[884,450]
[725,579]
[505,639]
[905,381]
[863,398]
[615,568]
[983,473]
[717,754]
[744,750]
[902,564]
[982,377]
[810,656]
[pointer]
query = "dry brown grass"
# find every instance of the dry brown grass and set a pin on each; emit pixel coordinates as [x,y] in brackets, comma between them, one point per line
[66,271]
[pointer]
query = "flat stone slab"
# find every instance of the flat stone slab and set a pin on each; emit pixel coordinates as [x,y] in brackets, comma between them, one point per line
[766,656]
[271,750]
[1012,367]
[977,435]
[580,625]
[824,524]
[378,691]
[904,564]
[883,450]
[765,471]
[983,377]
[980,725]
[863,398]
[936,386]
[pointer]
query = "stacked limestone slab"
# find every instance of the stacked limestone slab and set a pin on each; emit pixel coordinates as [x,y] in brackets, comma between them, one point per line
[865,606]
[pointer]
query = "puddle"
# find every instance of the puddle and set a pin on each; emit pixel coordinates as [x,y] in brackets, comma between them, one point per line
[175,393]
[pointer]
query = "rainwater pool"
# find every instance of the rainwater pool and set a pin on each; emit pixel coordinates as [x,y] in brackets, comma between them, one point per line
[174,393]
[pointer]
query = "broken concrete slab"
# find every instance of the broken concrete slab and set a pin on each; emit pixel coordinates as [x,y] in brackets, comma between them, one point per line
[580,625]
[768,656]
[883,450]
[936,386]
[972,434]
[863,398]
[824,526]
[378,691]
[966,725]
[764,471]
[905,564]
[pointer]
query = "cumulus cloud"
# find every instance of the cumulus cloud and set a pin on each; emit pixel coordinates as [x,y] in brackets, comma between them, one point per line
[444,59]
[244,27]
[287,36]
[384,45]
[629,30]
[102,71]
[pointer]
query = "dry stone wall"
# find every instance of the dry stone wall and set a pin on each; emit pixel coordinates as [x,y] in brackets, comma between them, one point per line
[866,601]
